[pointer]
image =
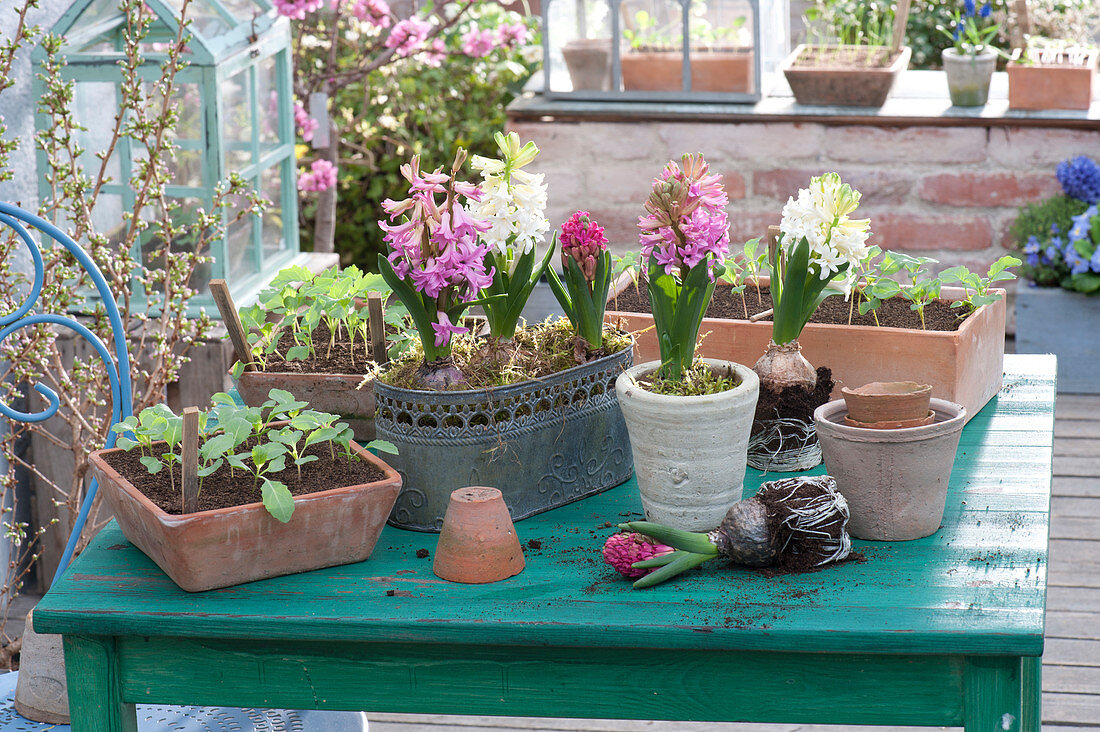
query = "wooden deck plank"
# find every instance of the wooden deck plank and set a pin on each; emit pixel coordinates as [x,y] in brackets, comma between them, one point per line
[1076,447]
[1079,428]
[1078,467]
[1069,486]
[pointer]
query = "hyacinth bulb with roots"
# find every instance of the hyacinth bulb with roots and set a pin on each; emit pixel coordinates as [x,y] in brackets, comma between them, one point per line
[798,523]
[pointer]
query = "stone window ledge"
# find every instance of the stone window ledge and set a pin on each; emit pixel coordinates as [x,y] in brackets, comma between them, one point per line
[919,99]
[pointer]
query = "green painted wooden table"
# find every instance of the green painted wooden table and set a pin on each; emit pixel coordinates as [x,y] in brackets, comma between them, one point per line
[947,630]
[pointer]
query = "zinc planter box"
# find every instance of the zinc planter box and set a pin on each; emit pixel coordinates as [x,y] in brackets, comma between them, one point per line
[333,393]
[206,550]
[963,366]
[543,443]
[1065,323]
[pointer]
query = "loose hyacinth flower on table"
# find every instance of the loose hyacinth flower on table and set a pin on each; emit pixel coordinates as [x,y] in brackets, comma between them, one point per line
[1067,251]
[438,264]
[512,202]
[799,523]
[684,235]
[586,269]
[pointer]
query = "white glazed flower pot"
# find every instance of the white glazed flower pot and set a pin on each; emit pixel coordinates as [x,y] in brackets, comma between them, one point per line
[968,77]
[895,481]
[689,452]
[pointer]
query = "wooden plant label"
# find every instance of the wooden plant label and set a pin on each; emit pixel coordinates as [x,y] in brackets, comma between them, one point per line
[377,328]
[901,19]
[190,455]
[232,321]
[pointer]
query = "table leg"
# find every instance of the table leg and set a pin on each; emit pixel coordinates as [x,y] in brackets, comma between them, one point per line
[1002,694]
[95,686]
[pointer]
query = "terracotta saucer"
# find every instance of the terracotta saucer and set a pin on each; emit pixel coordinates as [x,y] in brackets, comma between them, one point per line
[892,425]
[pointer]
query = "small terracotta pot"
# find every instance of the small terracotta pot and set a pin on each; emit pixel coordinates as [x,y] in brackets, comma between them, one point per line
[711,71]
[895,481]
[887,401]
[478,543]
[589,63]
[893,424]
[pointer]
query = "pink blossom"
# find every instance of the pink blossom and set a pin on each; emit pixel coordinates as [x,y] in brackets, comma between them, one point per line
[477,43]
[306,124]
[623,550]
[511,34]
[444,329]
[373,12]
[321,177]
[408,36]
[297,9]
[686,219]
[437,54]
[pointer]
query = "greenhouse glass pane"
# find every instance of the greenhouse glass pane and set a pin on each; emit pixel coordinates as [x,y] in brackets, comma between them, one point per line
[107,217]
[244,10]
[98,11]
[237,122]
[153,246]
[242,259]
[94,108]
[273,236]
[267,94]
[204,17]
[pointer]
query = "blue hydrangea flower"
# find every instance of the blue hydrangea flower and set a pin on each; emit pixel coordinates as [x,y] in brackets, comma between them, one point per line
[1080,178]
[1094,263]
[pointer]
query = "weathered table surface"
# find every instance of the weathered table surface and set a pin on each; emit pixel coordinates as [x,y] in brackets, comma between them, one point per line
[946,630]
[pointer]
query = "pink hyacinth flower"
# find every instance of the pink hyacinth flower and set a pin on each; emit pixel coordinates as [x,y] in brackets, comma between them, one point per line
[621,551]
[444,329]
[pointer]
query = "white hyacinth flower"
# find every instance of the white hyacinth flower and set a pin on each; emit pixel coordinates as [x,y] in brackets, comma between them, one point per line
[513,200]
[820,214]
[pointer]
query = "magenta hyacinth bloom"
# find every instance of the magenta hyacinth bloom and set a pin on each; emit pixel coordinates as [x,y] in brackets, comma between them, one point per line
[623,550]
[686,218]
[583,240]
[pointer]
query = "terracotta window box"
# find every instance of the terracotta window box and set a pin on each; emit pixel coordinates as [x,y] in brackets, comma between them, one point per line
[724,70]
[963,366]
[852,85]
[1051,86]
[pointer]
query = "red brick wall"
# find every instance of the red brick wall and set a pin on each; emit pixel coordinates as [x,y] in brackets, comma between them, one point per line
[944,192]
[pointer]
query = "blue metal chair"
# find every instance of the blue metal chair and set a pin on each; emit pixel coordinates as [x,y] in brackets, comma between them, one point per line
[150,717]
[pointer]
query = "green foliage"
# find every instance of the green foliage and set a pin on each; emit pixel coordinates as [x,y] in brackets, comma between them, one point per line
[302,300]
[227,429]
[921,34]
[678,308]
[408,108]
[583,301]
[513,289]
[797,290]
[1039,220]
[976,286]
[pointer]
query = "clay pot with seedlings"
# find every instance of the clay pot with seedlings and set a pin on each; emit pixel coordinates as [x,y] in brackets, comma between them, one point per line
[797,524]
[817,246]
[895,478]
[236,494]
[888,405]
[320,337]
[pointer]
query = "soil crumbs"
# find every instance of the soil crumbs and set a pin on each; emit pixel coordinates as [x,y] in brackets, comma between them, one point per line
[222,489]
[892,313]
[344,357]
[803,551]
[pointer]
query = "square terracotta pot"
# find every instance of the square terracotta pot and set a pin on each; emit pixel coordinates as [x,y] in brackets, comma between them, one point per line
[963,366]
[711,71]
[842,86]
[230,546]
[333,393]
[1051,86]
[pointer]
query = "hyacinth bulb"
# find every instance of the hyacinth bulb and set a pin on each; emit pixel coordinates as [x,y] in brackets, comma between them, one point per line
[621,551]
[783,366]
